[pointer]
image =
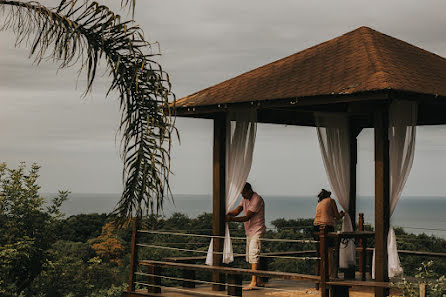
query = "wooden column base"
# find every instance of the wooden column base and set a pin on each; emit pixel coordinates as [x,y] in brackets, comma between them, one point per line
[349,273]
[339,291]
[234,285]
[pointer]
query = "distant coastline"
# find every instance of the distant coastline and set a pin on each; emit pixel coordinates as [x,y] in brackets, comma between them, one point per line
[415,214]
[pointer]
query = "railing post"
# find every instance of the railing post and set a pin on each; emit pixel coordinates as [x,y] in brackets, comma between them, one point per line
[323,245]
[154,279]
[133,255]
[234,284]
[317,266]
[363,245]
[422,289]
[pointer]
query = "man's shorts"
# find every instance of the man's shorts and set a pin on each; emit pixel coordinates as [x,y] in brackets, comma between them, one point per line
[253,249]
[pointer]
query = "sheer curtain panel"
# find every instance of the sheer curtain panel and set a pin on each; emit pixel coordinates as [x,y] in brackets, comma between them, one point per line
[402,130]
[240,140]
[333,132]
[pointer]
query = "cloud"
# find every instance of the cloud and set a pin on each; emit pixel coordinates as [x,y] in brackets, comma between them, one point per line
[204,42]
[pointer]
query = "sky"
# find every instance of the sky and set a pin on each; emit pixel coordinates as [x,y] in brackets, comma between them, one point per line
[45,119]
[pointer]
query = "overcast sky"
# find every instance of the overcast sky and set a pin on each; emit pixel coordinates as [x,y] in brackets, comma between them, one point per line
[44,119]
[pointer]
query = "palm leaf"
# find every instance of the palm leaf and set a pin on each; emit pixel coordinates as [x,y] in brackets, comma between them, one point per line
[83,33]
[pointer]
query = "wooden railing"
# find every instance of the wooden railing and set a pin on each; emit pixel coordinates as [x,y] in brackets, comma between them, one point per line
[153,271]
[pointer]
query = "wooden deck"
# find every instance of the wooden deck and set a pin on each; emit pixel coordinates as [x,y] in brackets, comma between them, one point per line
[275,288]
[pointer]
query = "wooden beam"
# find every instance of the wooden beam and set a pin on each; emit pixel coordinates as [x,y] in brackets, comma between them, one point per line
[382,193]
[219,195]
[359,283]
[195,111]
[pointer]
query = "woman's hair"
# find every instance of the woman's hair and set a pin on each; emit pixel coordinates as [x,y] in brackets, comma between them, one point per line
[247,187]
[323,194]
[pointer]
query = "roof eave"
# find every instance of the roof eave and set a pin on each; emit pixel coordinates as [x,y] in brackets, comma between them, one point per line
[330,99]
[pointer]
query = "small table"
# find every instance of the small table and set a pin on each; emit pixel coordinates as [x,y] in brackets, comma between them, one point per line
[358,236]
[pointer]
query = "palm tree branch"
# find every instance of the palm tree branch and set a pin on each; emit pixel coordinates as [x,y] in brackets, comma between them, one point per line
[82,32]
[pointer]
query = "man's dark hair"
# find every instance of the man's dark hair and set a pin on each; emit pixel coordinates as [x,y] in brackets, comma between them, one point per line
[247,187]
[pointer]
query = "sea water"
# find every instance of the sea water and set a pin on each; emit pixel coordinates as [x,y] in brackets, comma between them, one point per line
[415,214]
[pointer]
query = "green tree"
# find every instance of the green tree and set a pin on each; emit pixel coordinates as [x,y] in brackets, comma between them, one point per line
[81,227]
[73,269]
[27,228]
[83,33]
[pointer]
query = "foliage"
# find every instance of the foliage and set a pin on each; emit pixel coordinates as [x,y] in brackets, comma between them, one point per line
[74,270]
[113,291]
[84,33]
[108,245]
[14,262]
[81,227]
[27,228]
[86,256]
[419,242]
[435,285]
[35,260]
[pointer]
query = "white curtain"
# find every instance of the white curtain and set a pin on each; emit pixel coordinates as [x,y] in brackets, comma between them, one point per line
[402,129]
[334,140]
[240,139]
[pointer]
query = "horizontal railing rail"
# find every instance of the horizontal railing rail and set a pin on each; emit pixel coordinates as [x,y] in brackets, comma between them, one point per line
[231,270]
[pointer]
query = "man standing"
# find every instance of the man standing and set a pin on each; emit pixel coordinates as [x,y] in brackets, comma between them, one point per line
[254,219]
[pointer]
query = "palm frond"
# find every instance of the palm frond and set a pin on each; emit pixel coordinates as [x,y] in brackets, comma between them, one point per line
[83,33]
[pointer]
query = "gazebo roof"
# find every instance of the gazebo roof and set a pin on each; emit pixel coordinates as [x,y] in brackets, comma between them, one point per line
[359,62]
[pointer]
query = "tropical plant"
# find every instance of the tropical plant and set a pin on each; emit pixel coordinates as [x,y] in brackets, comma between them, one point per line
[435,285]
[83,33]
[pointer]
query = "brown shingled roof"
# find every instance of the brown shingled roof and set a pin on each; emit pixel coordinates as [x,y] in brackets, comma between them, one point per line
[359,61]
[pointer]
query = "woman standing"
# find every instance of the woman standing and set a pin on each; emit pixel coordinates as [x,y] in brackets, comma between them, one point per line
[327,212]
[327,215]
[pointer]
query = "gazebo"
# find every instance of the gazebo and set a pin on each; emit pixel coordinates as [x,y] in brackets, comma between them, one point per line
[358,77]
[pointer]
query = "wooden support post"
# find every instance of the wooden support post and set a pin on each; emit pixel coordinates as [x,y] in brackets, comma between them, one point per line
[354,132]
[382,207]
[324,273]
[219,195]
[234,284]
[133,255]
[422,289]
[363,246]
[153,279]
[349,273]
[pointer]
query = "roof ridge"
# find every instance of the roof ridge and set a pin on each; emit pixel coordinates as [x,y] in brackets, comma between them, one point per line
[357,61]
[399,40]
[309,49]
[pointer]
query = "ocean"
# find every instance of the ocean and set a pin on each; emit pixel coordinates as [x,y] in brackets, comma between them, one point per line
[415,214]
